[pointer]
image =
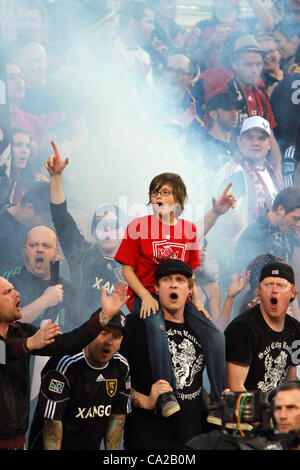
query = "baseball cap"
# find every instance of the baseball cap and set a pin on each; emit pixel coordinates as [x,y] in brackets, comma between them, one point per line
[173,266]
[283,270]
[247,43]
[256,122]
[224,100]
[119,320]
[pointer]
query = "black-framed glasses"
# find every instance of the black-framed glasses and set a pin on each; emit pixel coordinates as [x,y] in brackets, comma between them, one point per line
[163,193]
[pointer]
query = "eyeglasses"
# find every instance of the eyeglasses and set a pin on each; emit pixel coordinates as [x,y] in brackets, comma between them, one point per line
[163,193]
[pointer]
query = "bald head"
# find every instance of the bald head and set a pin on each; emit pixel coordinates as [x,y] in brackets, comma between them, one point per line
[39,250]
[180,61]
[32,58]
[179,73]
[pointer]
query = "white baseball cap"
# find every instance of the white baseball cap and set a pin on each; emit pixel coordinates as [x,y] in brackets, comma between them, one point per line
[256,122]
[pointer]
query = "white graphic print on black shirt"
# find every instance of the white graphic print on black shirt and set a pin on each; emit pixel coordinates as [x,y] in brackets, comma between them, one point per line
[275,364]
[187,359]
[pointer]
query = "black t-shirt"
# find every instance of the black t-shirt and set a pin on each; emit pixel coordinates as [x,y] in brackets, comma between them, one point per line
[82,397]
[146,429]
[14,375]
[251,342]
[32,287]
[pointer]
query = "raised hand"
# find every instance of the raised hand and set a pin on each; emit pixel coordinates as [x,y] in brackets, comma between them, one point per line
[113,303]
[54,164]
[238,284]
[43,336]
[225,201]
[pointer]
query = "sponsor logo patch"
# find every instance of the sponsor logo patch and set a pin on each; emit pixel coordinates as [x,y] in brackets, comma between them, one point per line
[111,387]
[56,386]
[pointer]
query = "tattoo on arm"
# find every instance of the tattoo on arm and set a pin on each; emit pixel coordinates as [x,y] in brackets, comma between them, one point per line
[114,431]
[135,400]
[103,319]
[52,434]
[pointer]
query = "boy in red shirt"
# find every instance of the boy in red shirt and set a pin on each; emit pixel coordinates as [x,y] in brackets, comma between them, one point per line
[148,241]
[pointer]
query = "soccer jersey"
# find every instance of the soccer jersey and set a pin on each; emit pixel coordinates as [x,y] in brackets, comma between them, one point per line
[82,397]
[148,242]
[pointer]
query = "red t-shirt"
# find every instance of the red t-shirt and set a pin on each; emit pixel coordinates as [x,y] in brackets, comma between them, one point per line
[147,242]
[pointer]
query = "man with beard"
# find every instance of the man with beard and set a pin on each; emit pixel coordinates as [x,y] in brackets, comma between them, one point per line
[247,66]
[84,398]
[23,339]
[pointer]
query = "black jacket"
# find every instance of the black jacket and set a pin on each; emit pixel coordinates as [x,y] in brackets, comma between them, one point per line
[14,374]
[89,268]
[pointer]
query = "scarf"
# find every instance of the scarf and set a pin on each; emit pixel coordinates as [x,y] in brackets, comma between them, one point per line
[244,112]
[259,196]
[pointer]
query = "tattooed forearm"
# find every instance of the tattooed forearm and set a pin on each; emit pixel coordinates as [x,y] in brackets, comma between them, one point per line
[135,399]
[114,431]
[103,319]
[52,434]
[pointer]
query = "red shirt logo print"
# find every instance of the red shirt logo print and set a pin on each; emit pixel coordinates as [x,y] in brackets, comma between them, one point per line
[164,249]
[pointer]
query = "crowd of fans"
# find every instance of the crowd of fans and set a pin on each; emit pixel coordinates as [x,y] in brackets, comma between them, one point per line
[126,93]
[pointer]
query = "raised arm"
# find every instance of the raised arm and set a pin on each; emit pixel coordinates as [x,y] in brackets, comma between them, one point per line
[55,166]
[261,13]
[219,207]
[233,290]
[75,340]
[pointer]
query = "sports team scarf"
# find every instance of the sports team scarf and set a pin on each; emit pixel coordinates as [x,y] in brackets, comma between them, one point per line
[258,193]
[235,88]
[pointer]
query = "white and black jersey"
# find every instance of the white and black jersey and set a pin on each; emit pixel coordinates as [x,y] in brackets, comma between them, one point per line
[82,397]
[289,164]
